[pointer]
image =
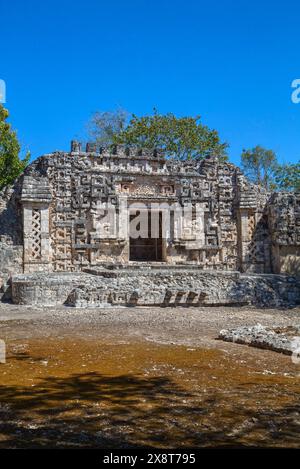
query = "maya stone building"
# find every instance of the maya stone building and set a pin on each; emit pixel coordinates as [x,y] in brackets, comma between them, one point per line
[66,234]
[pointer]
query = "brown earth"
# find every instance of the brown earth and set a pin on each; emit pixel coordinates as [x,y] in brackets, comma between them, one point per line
[154,377]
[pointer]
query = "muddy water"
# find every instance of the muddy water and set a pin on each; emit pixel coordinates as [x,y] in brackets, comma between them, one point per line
[70,392]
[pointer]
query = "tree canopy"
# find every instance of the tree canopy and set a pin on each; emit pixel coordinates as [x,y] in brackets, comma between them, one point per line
[185,138]
[11,166]
[105,126]
[287,177]
[259,165]
[262,167]
[182,138]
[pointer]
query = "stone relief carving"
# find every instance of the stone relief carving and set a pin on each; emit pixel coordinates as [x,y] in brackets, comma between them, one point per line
[73,217]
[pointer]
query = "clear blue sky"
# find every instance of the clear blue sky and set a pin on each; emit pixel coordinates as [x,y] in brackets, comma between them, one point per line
[232,62]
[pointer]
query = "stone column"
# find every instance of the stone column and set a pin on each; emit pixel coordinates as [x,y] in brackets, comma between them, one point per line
[36,199]
[243,238]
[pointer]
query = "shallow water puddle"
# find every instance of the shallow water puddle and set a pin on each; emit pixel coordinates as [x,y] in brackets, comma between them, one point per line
[69,392]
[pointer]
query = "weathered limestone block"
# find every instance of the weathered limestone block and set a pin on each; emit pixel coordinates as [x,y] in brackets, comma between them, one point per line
[84,297]
[45,289]
[284,340]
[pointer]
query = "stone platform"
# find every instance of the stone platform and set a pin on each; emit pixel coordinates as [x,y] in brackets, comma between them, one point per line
[159,285]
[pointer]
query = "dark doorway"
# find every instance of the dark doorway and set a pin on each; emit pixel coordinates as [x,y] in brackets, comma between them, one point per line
[147,248]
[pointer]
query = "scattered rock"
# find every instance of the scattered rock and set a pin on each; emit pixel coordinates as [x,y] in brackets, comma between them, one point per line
[279,339]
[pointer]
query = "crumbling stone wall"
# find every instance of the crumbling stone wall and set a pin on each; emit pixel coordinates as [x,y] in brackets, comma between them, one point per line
[11,229]
[284,226]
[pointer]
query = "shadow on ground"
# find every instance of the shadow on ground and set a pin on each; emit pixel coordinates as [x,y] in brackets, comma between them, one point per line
[128,411]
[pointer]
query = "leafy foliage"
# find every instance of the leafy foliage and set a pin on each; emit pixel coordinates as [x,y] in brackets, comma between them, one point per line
[287,177]
[262,167]
[11,166]
[259,164]
[181,138]
[104,126]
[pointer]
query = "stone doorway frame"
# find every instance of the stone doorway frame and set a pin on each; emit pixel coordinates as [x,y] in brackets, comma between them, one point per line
[159,243]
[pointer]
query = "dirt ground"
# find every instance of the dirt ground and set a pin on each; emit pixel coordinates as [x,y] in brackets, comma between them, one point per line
[143,377]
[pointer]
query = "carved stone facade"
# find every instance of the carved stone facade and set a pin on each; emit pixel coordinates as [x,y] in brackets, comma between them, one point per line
[71,212]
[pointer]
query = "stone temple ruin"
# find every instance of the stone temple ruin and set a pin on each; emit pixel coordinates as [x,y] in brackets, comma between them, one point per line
[67,237]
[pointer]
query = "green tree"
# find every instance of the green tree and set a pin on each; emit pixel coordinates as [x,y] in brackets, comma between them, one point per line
[11,166]
[287,177]
[259,164]
[181,138]
[104,126]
